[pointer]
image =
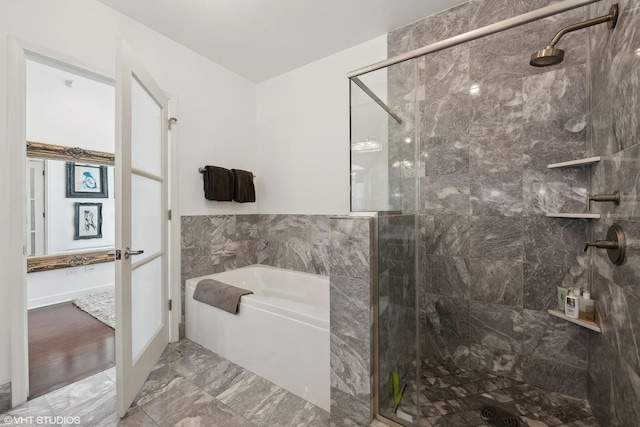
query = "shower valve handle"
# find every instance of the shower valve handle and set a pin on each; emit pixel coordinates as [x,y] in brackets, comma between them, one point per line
[615,244]
[602,244]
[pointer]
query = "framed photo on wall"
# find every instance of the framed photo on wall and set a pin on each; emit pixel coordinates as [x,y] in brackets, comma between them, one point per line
[87,181]
[88,221]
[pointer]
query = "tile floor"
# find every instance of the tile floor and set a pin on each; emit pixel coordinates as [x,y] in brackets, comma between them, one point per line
[191,386]
[452,396]
[182,390]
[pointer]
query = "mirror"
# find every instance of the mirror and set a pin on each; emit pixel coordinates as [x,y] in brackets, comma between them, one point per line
[71,206]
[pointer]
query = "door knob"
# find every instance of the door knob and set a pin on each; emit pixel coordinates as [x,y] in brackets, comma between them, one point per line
[615,244]
[128,252]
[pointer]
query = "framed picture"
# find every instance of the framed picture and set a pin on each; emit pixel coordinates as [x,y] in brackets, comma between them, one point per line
[88,221]
[86,181]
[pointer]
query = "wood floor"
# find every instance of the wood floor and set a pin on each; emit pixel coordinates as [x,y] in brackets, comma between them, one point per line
[65,345]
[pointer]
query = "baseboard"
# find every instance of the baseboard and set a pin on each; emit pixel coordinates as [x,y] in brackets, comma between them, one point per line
[66,296]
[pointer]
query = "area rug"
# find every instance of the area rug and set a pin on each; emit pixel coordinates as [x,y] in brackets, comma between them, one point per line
[101,305]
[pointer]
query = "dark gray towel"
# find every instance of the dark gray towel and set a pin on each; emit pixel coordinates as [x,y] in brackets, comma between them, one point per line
[244,190]
[219,183]
[220,295]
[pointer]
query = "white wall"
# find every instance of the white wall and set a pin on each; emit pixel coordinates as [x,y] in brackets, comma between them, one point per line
[217,108]
[303,134]
[70,283]
[82,115]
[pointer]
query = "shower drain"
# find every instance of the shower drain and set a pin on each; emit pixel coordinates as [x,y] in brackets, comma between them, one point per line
[498,417]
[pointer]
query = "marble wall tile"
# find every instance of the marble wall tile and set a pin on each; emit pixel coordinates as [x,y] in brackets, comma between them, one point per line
[555,102]
[445,116]
[554,376]
[553,339]
[247,227]
[498,282]
[497,57]
[496,238]
[497,326]
[445,193]
[486,12]
[402,83]
[625,409]
[348,410]
[445,234]
[350,311]
[625,309]
[446,72]
[490,359]
[446,24]
[287,227]
[554,190]
[447,327]
[448,276]
[445,155]
[541,282]
[495,150]
[496,108]
[555,241]
[350,247]
[495,194]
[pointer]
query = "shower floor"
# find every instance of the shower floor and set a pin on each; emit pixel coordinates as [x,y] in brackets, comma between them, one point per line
[452,396]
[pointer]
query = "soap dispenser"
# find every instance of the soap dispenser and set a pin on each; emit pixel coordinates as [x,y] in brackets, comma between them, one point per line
[572,304]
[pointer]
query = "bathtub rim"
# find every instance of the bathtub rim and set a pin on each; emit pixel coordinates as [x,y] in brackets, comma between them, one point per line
[256,301]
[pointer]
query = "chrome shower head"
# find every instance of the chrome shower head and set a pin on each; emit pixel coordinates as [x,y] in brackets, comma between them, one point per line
[550,55]
[546,57]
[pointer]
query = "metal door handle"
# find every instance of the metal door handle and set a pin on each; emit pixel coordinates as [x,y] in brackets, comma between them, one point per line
[114,253]
[128,252]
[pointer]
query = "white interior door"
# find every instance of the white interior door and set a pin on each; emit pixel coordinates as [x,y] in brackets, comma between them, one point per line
[142,328]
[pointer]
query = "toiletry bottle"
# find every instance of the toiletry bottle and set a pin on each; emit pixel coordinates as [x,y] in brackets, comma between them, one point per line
[587,307]
[572,304]
[562,295]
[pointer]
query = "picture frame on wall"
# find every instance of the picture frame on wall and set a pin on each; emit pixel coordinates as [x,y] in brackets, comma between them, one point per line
[87,181]
[88,221]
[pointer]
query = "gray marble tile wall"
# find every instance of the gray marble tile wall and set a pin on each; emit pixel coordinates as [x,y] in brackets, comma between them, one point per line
[353,268]
[614,362]
[488,125]
[215,243]
[396,299]
[5,397]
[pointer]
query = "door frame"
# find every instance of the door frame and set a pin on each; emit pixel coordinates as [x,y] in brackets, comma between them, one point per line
[16,131]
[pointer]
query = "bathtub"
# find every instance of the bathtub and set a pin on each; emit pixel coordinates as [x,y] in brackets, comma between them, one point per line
[281,332]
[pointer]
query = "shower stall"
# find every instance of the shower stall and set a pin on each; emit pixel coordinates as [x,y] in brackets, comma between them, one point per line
[460,144]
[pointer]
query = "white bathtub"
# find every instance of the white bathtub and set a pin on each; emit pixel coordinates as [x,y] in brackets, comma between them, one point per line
[281,332]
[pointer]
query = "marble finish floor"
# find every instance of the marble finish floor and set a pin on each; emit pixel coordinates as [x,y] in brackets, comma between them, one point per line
[452,396]
[190,386]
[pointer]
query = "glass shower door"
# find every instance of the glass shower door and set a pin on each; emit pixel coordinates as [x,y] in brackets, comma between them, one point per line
[384,169]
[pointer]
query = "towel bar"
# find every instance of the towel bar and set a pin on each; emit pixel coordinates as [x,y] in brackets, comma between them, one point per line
[201,170]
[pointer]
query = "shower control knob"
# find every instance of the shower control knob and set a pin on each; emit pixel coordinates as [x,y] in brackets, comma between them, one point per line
[601,244]
[615,244]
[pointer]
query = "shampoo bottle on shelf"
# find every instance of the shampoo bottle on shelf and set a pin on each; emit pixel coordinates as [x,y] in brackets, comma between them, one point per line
[572,304]
[587,307]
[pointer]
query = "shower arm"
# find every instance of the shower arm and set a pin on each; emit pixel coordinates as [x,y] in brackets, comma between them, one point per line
[611,18]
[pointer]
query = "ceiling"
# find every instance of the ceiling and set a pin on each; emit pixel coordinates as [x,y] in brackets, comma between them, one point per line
[260,39]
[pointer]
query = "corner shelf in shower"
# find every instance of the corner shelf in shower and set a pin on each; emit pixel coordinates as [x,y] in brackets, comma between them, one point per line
[584,323]
[574,163]
[574,215]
